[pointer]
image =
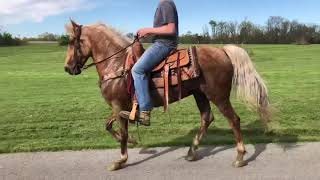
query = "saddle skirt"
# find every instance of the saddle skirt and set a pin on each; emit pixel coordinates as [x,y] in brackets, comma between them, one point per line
[181,65]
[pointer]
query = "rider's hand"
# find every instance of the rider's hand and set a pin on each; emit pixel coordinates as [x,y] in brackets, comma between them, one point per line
[144,32]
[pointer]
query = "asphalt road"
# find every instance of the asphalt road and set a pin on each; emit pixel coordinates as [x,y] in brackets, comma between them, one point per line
[272,161]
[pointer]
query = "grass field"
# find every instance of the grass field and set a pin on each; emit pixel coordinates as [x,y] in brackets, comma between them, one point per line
[43,108]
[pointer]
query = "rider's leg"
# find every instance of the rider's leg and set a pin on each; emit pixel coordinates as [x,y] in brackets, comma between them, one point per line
[152,57]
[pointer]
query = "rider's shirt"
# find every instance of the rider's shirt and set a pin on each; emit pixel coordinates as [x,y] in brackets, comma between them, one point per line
[166,13]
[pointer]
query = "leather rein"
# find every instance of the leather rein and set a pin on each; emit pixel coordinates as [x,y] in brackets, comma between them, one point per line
[78,52]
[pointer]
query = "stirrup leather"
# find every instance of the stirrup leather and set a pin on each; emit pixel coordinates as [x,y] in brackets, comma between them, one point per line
[133,112]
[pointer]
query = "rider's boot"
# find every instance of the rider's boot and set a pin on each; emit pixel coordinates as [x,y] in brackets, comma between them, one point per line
[142,117]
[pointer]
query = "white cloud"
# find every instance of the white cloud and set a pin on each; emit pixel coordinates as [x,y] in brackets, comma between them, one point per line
[17,11]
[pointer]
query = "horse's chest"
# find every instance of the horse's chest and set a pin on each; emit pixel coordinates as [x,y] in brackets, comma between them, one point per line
[115,90]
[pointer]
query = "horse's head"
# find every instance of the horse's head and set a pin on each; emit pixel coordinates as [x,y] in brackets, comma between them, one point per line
[79,49]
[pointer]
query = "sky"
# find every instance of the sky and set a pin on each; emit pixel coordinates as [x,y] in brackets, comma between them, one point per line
[29,18]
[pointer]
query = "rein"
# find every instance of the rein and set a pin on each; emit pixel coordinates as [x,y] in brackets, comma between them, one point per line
[136,39]
[79,54]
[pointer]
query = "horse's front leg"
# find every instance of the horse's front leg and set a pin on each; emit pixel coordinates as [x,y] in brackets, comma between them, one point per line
[115,134]
[109,128]
[118,164]
[121,136]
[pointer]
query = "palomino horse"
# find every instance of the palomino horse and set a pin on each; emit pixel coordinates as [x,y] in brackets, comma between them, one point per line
[220,69]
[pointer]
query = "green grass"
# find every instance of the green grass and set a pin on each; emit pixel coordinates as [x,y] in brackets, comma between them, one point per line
[43,108]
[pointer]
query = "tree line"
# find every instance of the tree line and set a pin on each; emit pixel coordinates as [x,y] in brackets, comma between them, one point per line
[61,39]
[277,30]
[7,39]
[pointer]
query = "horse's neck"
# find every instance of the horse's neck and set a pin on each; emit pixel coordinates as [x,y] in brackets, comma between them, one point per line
[111,65]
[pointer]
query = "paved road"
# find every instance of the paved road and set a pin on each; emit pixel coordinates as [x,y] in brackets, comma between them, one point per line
[272,161]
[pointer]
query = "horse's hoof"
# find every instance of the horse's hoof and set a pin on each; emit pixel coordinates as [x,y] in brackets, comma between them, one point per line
[191,157]
[115,166]
[239,164]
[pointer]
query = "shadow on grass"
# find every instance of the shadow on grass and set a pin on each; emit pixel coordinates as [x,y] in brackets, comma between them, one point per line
[253,134]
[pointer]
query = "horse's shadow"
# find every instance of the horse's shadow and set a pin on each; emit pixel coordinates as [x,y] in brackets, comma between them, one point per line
[250,132]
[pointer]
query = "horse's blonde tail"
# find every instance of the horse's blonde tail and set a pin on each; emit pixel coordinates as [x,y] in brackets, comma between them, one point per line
[247,82]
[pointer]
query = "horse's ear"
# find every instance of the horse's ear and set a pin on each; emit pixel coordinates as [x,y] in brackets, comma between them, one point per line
[74,24]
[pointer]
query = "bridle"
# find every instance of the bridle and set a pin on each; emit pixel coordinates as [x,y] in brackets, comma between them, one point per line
[78,52]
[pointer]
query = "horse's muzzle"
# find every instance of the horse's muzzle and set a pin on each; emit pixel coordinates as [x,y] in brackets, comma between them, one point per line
[72,71]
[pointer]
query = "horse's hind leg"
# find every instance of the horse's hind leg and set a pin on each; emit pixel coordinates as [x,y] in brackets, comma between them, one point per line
[227,110]
[206,119]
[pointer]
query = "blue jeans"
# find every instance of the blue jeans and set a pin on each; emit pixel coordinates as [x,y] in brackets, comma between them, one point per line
[151,58]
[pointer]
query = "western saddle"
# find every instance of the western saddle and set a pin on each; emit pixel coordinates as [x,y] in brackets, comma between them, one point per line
[179,66]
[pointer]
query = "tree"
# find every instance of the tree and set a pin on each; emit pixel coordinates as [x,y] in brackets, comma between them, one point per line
[63,40]
[284,30]
[205,34]
[48,37]
[213,25]
[7,39]
[233,31]
[276,30]
[130,35]
[246,29]
[190,38]
[250,33]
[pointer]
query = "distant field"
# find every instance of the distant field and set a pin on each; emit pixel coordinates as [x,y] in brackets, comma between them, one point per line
[42,42]
[43,108]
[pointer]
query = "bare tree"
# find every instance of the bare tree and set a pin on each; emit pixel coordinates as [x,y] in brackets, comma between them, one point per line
[205,31]
[233,30]
[205,34]
[213,25]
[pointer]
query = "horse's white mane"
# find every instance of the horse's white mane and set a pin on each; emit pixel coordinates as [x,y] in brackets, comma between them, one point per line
[115,35]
